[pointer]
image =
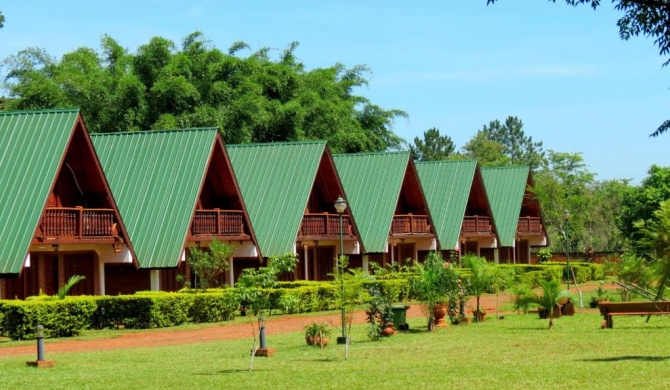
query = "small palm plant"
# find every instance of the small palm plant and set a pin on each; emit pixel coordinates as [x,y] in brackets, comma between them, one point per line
[74,279]
[551,295]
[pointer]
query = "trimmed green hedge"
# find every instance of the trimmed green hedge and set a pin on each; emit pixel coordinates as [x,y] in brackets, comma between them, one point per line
[61,318]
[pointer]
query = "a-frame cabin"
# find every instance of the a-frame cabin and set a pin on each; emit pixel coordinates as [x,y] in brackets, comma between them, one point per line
[389,207]
[516,212]
[290,190]
[177,190]
[57,214]
[460,207]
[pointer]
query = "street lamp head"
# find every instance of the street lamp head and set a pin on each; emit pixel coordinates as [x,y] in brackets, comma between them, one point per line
[566,215]
[340,205]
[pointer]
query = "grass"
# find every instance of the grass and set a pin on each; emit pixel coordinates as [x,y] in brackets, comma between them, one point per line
[515,352]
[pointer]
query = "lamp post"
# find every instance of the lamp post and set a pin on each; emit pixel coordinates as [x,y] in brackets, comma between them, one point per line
[566,217]
[340,206]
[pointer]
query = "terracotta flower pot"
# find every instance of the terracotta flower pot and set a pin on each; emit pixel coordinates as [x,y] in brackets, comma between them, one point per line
[439,312]
[388,330]
[317,341]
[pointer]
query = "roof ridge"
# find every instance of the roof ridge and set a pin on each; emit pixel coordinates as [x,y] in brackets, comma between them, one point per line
[137,132]
[372,153]
[468,160]
[43,111]
[508,167]
[280,143]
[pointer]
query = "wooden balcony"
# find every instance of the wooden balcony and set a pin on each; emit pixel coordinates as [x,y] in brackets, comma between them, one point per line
[325,225]
[529,226]
[77,223]
[406,224]
[226,223]
[476,226]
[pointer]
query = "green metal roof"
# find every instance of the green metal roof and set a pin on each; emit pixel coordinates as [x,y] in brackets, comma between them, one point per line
[505,187]
[32,148]
[276,181]
[372,183]
[156,177]
[447,186]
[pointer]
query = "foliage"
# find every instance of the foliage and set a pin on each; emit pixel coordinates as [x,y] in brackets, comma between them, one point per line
[352,289]
[479,279]
[516,146]
[163,86]
[544,255]
[551,294]
[435,283]
[519,292]
[65,289]
[640,203]
[378,313]
[655,243]
[60,318]
[316,329]
[207,265]
[632,269]
[562,184]
[2,20]
[486,151]
[142,311]
[214,307]
[433,146]
[254,286]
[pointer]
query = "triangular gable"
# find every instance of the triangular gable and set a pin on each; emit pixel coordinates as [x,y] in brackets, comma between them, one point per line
[447,186]
[505,188]
[34,149]
[372,183]
[276,181]
[156,177]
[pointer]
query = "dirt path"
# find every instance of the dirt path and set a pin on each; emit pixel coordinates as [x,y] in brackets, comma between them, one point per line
[222,331]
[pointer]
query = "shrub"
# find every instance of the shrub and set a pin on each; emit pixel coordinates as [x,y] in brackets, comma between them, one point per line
[213,307]
[143,310]
[60,318]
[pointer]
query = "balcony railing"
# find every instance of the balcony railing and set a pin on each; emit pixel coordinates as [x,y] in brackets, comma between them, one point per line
[529,225]
[410,224]
[477,225]
[218,223]
[78,222]
[324,224]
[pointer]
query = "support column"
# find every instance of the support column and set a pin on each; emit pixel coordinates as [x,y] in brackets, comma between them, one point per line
[2,288]
[496,256]
[305,256]
[231,272]
[101,276]
[366,268]
[155,278]
[61,270]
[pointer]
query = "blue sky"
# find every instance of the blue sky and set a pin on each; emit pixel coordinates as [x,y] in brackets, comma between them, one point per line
[453,65]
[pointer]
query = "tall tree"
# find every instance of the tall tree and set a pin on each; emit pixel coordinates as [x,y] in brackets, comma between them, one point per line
[2,20]
[484,150]
[433,146]
[649,18]
[251,99]
[519,148]
[563,184]
[640,203]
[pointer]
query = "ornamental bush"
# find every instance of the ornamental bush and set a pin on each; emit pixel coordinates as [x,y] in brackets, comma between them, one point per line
[61,318]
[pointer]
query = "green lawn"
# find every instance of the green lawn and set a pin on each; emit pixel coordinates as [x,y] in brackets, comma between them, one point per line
[517,352]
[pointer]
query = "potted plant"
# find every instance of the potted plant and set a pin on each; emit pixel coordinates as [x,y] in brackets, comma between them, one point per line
[480,280]
[478,314]
[317,334]
[548,301]
[436,287]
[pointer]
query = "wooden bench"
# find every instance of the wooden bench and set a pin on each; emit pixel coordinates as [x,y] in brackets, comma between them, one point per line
[610,309]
